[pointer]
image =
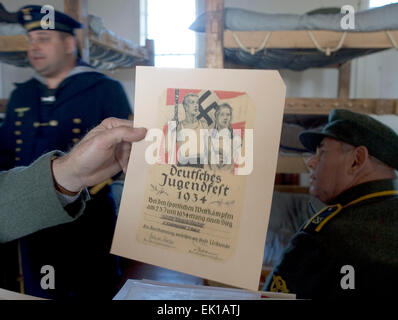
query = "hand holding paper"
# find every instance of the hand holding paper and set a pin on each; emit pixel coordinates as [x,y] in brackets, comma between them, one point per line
[102,153]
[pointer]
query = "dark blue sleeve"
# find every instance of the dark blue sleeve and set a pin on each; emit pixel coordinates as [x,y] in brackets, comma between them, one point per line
[115,103]
[6,137]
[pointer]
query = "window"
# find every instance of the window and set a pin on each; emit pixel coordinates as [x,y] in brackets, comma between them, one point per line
[380,3]
[167,23]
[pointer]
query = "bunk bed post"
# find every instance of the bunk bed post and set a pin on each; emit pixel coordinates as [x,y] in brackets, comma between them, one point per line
[3,105]
[214,33]
[150,45]
[78,9]
[344,80]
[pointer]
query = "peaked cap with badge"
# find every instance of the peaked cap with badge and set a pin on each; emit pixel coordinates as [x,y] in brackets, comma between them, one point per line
[31,17]
[358,130]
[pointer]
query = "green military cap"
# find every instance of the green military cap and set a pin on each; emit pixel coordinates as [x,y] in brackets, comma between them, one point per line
[358,130]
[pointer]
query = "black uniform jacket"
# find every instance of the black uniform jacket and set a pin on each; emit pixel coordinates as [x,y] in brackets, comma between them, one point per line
[39,120]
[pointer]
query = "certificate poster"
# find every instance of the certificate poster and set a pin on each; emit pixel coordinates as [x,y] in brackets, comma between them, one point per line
[198,190]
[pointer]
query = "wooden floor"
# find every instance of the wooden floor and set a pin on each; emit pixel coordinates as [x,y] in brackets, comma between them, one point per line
[132,269]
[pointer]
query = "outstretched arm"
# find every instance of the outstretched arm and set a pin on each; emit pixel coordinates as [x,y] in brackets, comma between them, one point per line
[28,197]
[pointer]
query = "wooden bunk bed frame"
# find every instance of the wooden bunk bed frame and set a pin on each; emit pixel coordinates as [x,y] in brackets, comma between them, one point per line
[78,10]
[217,39]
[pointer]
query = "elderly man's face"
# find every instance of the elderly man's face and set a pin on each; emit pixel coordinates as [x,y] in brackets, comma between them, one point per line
[329,170]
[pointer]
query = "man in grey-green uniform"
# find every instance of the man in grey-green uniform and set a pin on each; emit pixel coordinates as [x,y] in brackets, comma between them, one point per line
[348,249]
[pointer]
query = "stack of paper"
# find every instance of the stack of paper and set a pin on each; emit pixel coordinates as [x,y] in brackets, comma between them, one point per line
[10,295]
[154,290]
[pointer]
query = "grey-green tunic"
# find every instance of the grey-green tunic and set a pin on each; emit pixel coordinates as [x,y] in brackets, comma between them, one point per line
[29,201]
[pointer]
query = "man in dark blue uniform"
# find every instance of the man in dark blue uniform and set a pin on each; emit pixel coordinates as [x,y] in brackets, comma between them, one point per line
[348,249]
[53,110]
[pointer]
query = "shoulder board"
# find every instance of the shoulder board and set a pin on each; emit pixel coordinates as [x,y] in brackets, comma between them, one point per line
[316,223]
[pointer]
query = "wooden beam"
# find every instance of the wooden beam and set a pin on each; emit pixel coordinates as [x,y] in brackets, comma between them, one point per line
[300,39]
[17,43]
[115,46]
[291,164]
[214,33]
[78,9]
[325,105]
[150,49]
[3,105]
[344,80]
